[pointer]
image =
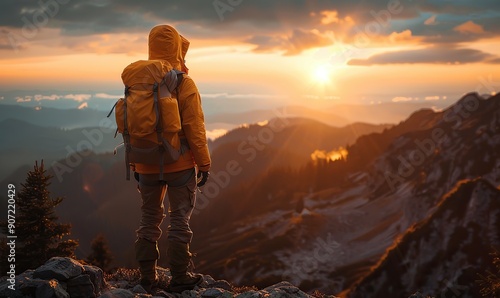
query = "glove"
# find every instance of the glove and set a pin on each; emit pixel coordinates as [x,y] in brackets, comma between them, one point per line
[202,178]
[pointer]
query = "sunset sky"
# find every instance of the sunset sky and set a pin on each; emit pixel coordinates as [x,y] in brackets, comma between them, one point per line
[251,53]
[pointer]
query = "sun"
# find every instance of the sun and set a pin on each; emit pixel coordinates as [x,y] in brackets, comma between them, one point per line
[321,74]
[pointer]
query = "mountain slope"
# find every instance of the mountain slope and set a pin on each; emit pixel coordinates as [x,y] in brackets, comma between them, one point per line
[257,150]
[443,254]
[344,224]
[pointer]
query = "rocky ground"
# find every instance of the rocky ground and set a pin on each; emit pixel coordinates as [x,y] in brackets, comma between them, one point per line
[67,278]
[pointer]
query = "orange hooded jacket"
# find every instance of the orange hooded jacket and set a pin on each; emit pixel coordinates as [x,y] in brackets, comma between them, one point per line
[165,43]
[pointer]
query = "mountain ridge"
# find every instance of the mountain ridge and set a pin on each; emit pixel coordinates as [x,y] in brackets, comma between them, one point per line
[468,197]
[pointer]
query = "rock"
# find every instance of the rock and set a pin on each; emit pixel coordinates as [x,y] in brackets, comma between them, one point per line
[81,287]
[418,295]
[117,293]
[30,287]
[96,277]
[284,289]
[5,291]
[138,289]
[215,293]
[41,288]
[5,283]
[24,277]
[59,268]
[189,294]
[221,284]
[207,281]
[164,294]
[250,294]
[122,284]
[50,289]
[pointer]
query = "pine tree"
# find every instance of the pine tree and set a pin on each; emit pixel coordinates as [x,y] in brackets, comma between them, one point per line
[39,236]
[100,255]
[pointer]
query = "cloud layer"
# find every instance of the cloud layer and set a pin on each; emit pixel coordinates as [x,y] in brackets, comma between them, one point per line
[287,27]
[433,55]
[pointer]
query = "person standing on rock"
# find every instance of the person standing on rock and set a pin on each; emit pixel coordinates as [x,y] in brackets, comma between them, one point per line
[179,178]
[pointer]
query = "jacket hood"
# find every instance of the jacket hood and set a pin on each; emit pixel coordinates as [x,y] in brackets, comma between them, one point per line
[165,43]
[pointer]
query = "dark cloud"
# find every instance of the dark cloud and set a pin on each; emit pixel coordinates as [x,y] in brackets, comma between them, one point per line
[459,7]
[296,43]
[494,61]
[434,55]
[282,25]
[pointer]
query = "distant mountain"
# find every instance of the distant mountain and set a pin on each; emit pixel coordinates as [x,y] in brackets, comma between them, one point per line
[51,117]
[26,142]
[444,253]
[336,115]
[289,112]
[388,112]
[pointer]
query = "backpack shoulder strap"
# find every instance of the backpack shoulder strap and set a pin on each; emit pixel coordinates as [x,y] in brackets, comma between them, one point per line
[180,77]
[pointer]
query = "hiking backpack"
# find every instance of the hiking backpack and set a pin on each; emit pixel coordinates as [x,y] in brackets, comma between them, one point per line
[148,116]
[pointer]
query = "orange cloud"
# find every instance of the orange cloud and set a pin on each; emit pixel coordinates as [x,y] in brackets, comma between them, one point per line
[23,99]
[431,20]
[469,27]
[329,17]
[435,97]
[332,17]
[405,36]
[295,43]
[402,99]
[83,106]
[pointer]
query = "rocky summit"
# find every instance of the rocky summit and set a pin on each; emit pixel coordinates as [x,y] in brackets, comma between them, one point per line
[67,278]
[63,277]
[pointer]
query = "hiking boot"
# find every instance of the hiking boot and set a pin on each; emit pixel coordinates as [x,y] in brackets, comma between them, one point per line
[179,284]
[146,253]
[148,285]
[180,258]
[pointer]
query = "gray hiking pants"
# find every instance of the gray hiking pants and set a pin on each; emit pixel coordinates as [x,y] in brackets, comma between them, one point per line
[181,190]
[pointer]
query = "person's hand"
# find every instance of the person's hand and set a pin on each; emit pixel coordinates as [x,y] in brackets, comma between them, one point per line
[202,178]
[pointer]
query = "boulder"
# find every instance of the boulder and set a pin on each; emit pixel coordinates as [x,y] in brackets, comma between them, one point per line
[59,268]
[50,289]
[81,287]
[284,289]
[216,293]
[33,287]
[96,277]
[250,294]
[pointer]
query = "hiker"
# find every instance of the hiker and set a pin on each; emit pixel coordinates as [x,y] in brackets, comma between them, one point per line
[179,179]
